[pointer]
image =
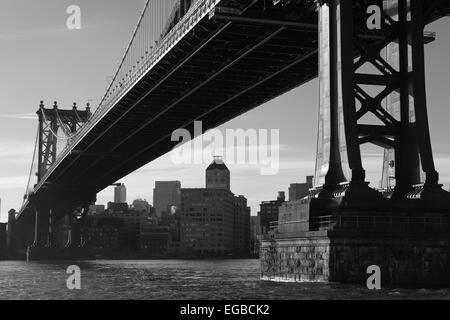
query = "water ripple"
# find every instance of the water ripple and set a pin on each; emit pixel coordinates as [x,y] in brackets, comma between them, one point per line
[173,280]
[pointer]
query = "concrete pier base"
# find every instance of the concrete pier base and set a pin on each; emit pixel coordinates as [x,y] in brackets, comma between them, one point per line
[316,243]
[337,257]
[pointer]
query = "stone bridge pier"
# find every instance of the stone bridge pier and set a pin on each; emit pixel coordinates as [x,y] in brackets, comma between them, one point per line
[345,226]
[53,228]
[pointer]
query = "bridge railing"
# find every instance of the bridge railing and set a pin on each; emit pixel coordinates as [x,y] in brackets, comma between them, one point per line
[157,32]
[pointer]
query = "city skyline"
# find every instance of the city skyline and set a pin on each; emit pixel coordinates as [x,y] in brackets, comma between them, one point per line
[63,65]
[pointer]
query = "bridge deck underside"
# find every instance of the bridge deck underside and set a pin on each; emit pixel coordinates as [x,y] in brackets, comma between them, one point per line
[219,70]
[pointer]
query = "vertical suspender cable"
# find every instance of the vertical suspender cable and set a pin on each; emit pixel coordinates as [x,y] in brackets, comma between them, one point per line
[126,54]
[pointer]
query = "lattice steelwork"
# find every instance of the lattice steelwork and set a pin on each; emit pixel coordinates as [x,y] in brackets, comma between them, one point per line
[56,130]
[398,77]
[393,101]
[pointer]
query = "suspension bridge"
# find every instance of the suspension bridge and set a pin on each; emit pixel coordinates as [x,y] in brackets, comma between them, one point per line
[213,60]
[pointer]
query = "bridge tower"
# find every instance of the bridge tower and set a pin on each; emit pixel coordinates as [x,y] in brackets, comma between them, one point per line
[51,122]
[348,226]
[56,127]
[349,92]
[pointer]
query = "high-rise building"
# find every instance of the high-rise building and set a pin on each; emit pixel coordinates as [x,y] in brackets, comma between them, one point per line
[293,216]
[120,193]
[166,195]
[154,240]
[268,213]
[171,219]
[3,239]
[142,205]
[241,228]
[217,175]
[117,207]
[299,191]
[119,228]
[10,238]
[255,231]
[212,220]
[207,221]
[104,233]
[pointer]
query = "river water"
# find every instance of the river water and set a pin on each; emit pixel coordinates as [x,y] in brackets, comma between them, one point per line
[175,279]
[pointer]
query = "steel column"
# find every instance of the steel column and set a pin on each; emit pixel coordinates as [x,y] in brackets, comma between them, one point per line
[408,134]
[40,172]
[69,228]
[335,175]
[346,35]
[36,240]
[341,86]
[82,222]
[420,103]
[406,148]
[49,243]
[329,82]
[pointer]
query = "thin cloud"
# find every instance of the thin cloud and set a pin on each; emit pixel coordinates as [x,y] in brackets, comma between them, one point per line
[32,33]
[20,116]
[15,150]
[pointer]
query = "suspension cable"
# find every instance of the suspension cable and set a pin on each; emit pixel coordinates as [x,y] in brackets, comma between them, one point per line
[163,17]
[69,137]
[32,165]
[125,54]
[62,126]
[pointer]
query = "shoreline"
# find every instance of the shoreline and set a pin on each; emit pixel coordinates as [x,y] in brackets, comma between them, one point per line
[20,258]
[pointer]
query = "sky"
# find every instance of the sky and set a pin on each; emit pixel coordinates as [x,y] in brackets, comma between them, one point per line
[41,59]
